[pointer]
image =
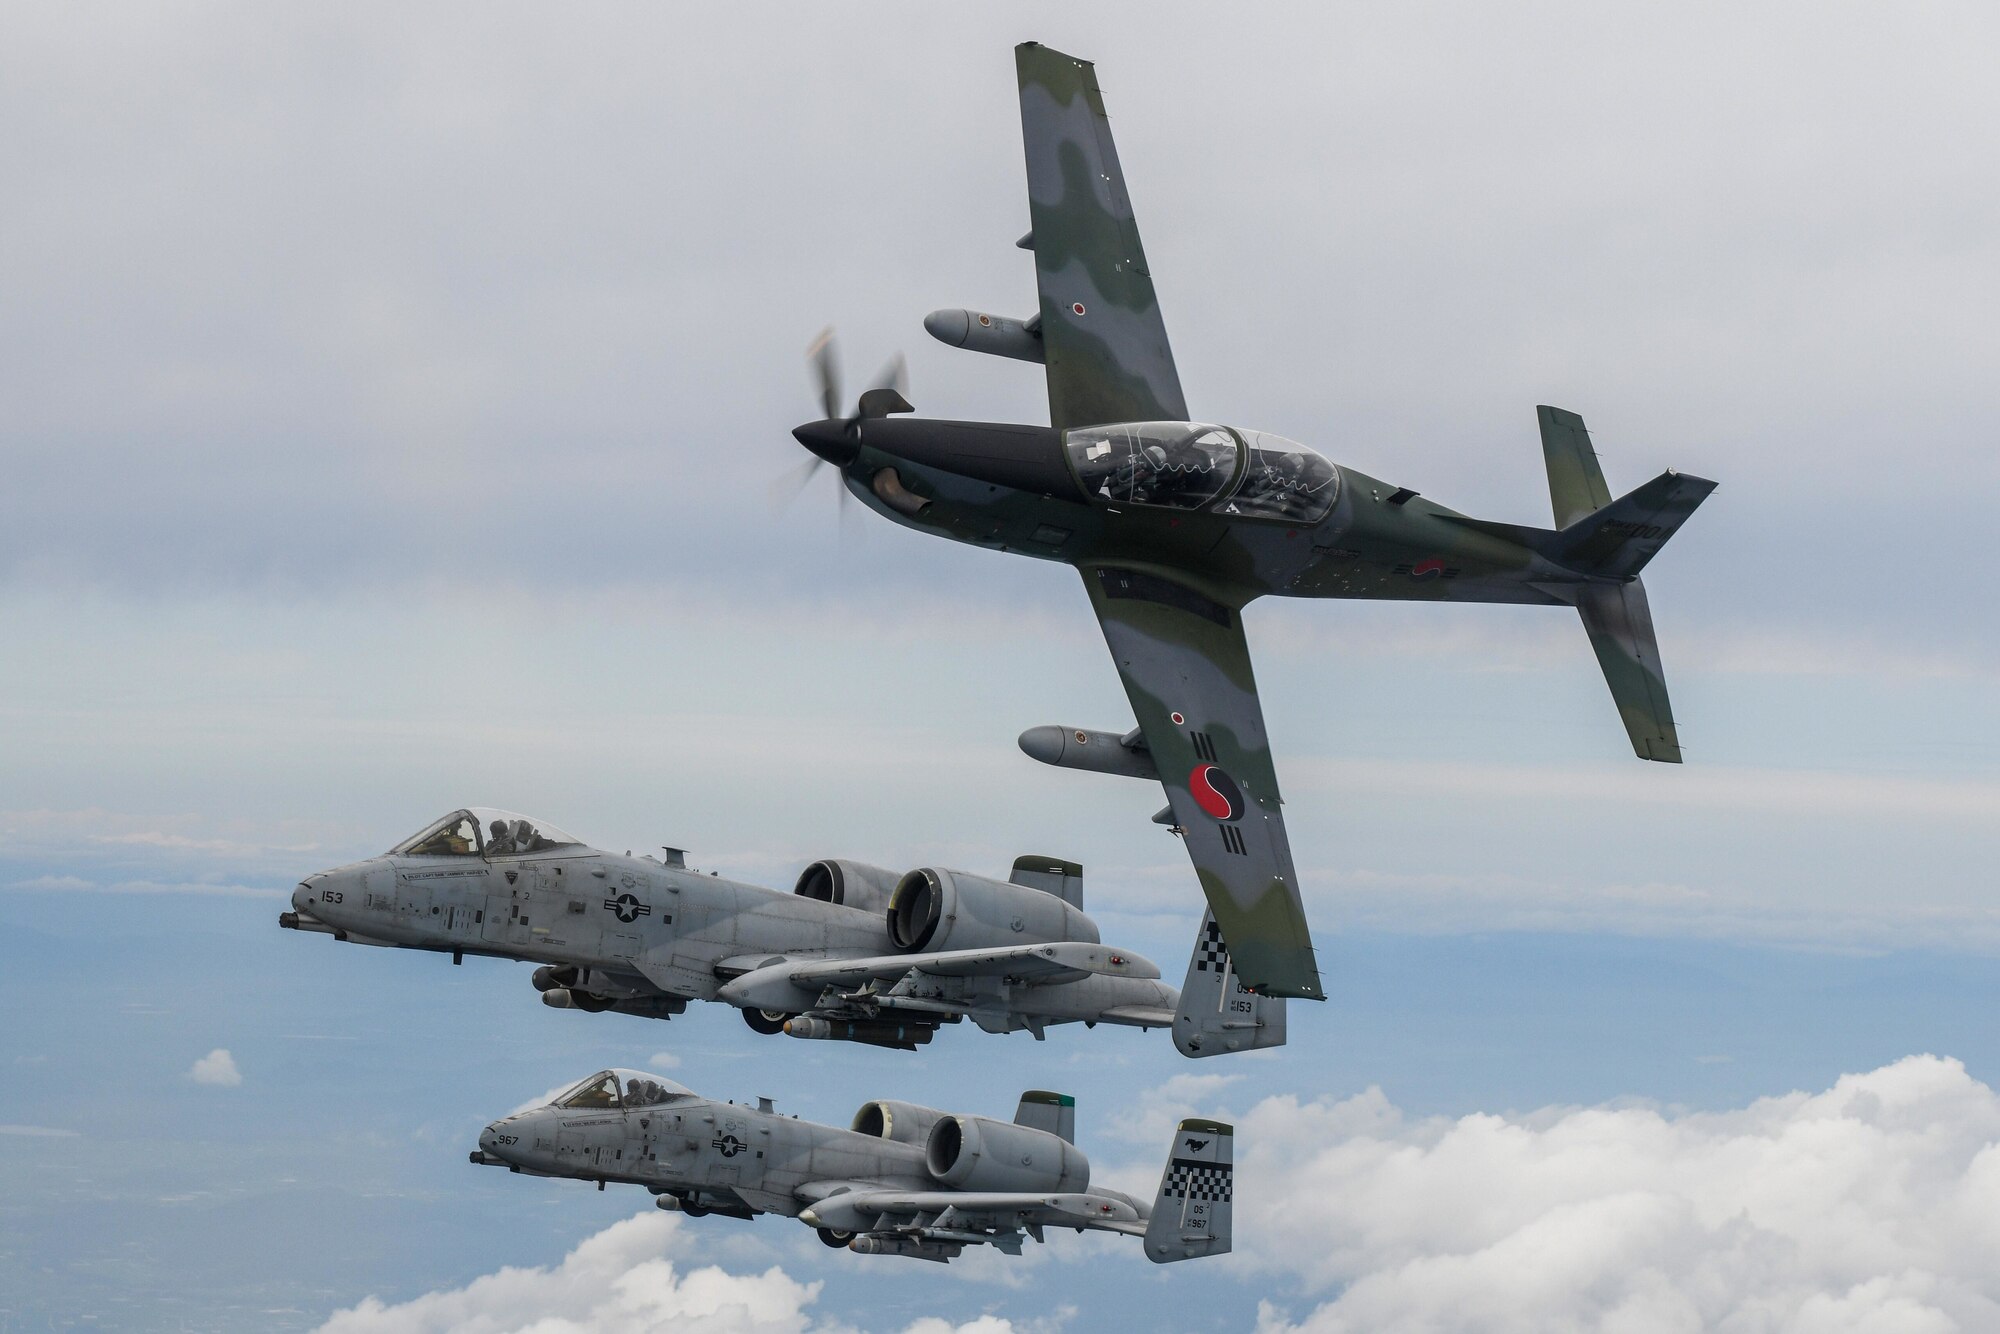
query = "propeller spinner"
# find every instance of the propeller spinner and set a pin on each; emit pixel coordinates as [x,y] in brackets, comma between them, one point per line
[834,439]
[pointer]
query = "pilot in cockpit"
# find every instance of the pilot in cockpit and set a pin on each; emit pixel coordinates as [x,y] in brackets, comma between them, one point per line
[499,842]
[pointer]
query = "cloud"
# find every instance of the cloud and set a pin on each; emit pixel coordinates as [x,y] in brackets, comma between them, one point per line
[664,1060]
[1874,1204]
[630,1277]
[218,1067]
[38,1132]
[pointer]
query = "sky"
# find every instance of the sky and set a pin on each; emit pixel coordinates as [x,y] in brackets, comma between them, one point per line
[389,402]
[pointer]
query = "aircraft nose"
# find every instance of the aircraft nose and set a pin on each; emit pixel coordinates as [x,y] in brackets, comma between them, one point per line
[307,888]
[831,439]
[489,1138]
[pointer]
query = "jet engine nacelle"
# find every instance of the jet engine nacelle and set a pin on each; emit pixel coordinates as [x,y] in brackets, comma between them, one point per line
[974,1153]
[851,884]
[935,909]
[903,1122]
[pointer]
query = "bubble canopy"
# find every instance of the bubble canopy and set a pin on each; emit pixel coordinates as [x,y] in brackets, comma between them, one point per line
[482,831]
[1200,466]
[612,1089]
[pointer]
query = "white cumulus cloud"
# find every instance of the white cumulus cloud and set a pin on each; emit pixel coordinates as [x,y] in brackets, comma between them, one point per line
[1873,1205]
[631,1277]
[218,1067]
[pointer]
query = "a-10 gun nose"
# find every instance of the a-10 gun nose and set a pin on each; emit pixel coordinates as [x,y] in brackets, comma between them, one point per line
[832,439]
[488,1153]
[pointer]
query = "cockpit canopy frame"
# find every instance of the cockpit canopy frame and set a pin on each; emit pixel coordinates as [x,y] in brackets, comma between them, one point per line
[1238,474]
[610,1090]
[483,831]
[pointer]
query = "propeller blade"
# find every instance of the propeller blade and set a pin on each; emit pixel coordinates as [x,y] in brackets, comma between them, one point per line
[895,375]
[852,528]
[826,372]
[785,488]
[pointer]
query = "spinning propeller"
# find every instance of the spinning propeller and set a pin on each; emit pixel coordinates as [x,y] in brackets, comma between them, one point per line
[885,394]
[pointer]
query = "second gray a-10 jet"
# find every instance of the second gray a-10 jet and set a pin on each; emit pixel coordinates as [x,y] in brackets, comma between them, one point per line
[904,1180]
[855,953]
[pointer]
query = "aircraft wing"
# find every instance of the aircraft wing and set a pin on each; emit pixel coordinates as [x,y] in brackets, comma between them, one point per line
[1061,961]
[999,1209]
[1103,340]
[1186,668]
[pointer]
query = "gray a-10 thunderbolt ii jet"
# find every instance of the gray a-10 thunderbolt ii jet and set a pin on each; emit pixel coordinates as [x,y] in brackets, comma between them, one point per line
[904,1180]
[1176,524]
[855,952]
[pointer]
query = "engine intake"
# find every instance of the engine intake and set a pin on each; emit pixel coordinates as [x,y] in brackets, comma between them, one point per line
[975,1153]
[902,1122]
[935,909]
[850,884]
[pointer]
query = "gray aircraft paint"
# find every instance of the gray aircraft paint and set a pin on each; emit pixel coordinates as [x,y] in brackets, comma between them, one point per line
[904,1180]
[641,937]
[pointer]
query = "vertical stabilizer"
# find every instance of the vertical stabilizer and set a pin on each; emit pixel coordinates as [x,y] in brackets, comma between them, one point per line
[1052,875]
[1218,1013]
[1191,1212]
[1053,1112]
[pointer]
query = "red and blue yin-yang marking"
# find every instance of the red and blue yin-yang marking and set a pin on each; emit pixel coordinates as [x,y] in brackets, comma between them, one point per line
[1215,792]
[1427,569]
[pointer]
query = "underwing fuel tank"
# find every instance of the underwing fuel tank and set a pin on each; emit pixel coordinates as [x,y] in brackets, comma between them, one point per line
[876,1032]
[915,1250]
[1093,751]
[976,331]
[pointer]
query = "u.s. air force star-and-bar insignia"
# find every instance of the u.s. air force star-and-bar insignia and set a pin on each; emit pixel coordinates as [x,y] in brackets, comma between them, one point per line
[729,1146]
[628,907]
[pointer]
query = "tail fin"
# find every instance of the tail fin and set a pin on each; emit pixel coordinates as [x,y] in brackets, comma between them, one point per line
[1190,1215]
[1616,541]
[1218,1013]
[1052,875]
[1053,1112]
[1611,540]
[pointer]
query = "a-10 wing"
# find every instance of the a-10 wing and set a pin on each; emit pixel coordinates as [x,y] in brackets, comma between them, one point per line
[1060,961]
[974,1211]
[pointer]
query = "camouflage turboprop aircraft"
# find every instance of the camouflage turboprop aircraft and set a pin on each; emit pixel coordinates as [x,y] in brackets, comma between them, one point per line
[855,953]
[905,1180]
[1175,525]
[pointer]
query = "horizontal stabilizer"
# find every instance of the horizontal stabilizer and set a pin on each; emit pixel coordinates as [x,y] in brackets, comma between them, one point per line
[1576,482]
[1620,624]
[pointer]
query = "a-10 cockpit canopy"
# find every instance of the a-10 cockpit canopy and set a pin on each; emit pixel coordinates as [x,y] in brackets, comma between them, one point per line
[612,1089]
[1200,466]
[481,831]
